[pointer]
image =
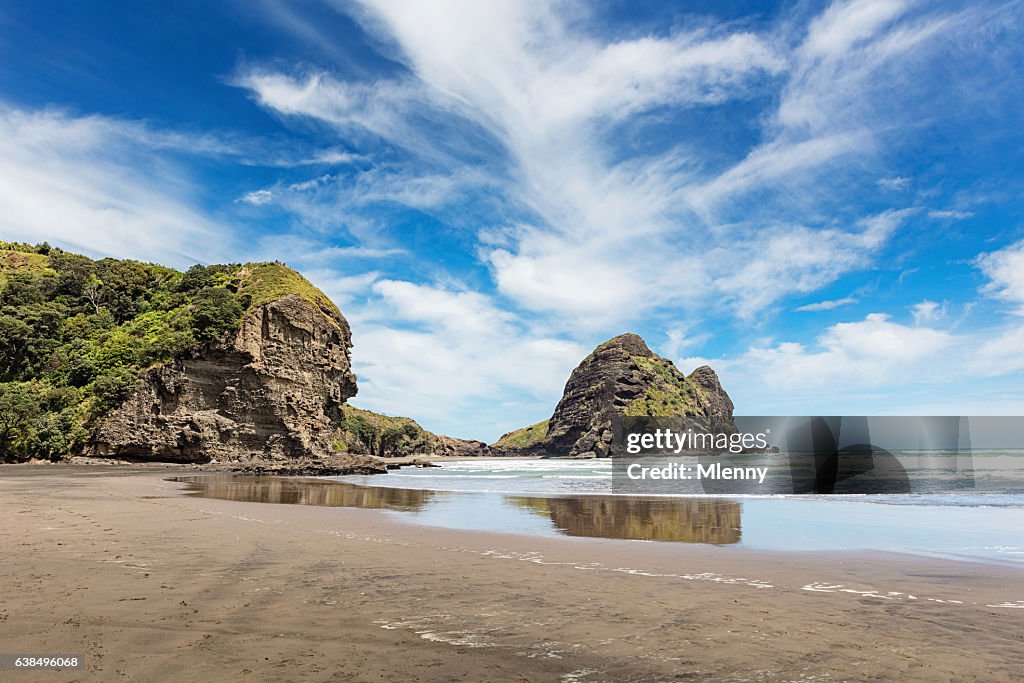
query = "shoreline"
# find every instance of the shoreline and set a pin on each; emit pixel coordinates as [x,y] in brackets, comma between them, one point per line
[357,464]
[826,524]
[153,584]
[969,532]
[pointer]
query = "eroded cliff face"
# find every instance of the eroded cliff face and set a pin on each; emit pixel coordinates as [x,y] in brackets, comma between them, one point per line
[715,403]
[275,390]
[621,377]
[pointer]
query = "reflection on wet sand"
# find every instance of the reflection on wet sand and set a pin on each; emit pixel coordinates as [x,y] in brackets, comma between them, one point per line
[687,521]
[257,489]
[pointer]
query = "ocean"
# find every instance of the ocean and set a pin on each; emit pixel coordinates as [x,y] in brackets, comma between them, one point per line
[577,498]
[996,478]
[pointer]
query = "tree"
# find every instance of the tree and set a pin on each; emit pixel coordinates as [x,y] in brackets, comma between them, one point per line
[125,286]
[92,291]
[54,435]
[392,437]
[24,288]
[364,431]
[214,312]
[196,278]
[74,272]
[14,337]
[19,405]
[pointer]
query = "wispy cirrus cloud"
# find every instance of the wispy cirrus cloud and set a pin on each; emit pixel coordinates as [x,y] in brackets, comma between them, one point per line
[530,82]
[827,305]
[927,312]
[896,183]
[108,185]
[257,197]
[96,184]
[950,214]
[524,81]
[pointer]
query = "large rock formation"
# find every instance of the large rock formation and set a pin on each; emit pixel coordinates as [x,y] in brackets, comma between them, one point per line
[621,377]
[232,362]
[274,390]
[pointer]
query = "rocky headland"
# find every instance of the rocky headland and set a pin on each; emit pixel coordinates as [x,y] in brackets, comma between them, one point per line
[621,377]
[240,366]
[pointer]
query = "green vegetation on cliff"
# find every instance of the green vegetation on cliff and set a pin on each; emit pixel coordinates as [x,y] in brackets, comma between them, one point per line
[366,432]
[261,283]
[76,333]
[666,391]
[525,437]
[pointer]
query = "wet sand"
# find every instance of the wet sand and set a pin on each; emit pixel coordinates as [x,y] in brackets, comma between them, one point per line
[151,584]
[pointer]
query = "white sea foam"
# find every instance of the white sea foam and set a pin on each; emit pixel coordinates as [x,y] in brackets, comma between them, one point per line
[594,477]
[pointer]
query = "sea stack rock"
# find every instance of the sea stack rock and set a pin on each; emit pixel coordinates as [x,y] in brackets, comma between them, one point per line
[621,377]
[273,390]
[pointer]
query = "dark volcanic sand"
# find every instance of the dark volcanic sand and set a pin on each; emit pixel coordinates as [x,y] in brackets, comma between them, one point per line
[151,584]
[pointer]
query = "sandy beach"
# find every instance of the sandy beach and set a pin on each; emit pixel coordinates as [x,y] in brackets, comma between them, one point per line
[151,584]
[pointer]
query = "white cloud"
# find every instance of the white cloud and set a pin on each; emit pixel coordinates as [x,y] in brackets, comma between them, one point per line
[596,236]
[927,312]
[876,365]
[775,161]
[521,76]
[526,79]
[999,354]
[845,68]
[359,204]
[679,337]
[378,108]
[827,305]
[257,197]
[809,258]
[99,185]
[874,348]
[895,183]
[844,24]
[880,361]
[520,69]
[1005,270]
[343,290]
[950,214]
[875,355]
[306,252]
[311,184]
[460,313]
[436,354]
[577,281]
[331,157]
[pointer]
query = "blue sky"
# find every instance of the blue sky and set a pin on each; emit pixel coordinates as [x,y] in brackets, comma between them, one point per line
[821,200]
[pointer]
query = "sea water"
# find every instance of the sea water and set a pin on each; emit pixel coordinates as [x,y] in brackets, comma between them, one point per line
[576,498]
